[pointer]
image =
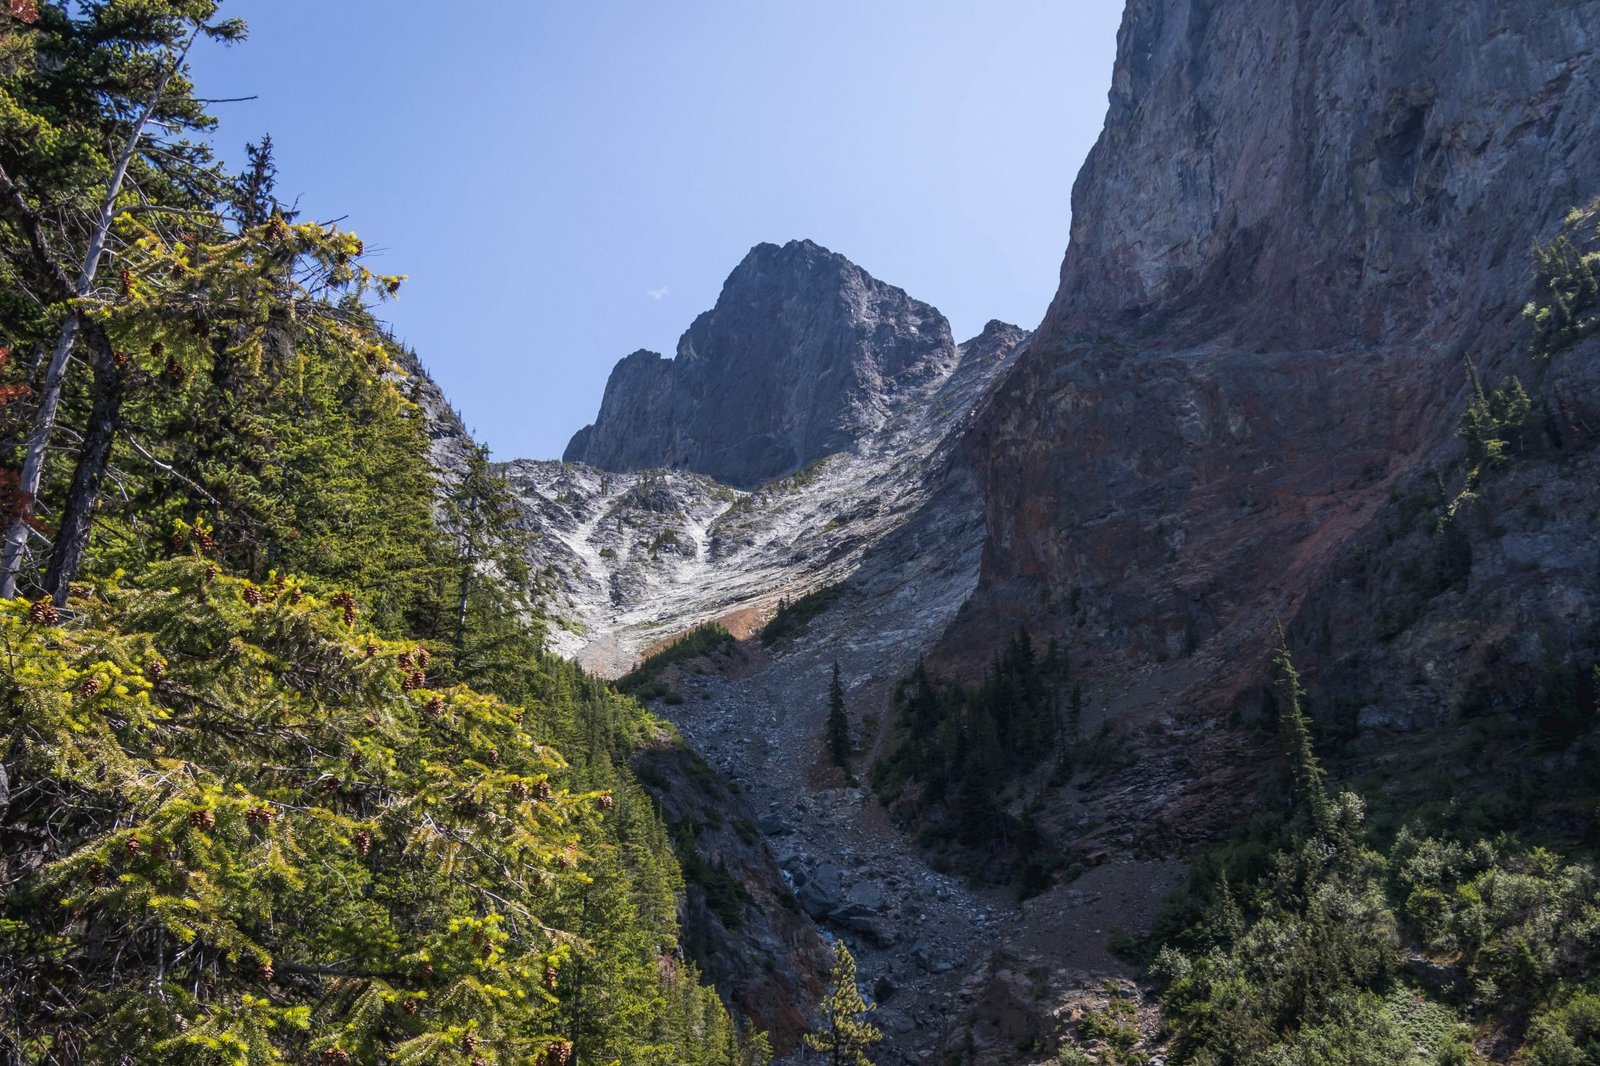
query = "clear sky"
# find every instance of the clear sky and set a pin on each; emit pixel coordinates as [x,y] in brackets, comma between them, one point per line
[568,182]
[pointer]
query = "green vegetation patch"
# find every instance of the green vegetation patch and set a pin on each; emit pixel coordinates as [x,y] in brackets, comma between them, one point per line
[795,616]
[644,680]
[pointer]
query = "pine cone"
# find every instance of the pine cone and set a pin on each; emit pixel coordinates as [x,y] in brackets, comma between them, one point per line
[347,601]
[335,1056]
[410,1007]
[90,688]
[125,282]
[404,660]
[479,1060]
[494,756]
[542,792]
[550,978]
[95,873]
[121,360]
[363,842]
[211,573]
[43,612]
[558,1053]
[260,816]
[355,760]
[435,706]
[252,596]
[421,655]
[519,791]
[131,846]
[606,801]
[264,973]
[371,649]
[426,972]
[157,670]
[468,1042]
[294,596]
[203,820]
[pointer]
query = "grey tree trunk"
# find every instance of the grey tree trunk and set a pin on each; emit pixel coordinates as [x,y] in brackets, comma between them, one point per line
[105,417]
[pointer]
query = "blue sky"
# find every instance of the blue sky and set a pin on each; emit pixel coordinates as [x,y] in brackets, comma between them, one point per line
[567,182]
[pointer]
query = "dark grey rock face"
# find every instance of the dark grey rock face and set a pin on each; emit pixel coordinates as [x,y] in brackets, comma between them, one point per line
[803,355]
[1300,219]
[1304,175]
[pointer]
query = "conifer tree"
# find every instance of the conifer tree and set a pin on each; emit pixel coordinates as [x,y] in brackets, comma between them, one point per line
[123,67]
[838,721]
[1305,771]
[480,512]
[845,1037]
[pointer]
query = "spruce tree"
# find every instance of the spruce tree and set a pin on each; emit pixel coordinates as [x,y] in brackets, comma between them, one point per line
[1305,771]
[480,513]
[838,721]
[844,1038]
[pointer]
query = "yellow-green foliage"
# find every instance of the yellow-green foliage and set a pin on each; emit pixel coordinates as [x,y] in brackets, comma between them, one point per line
[1566,304]
[244,830]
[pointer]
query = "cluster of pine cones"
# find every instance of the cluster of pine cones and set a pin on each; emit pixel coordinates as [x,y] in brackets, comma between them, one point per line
[347,601]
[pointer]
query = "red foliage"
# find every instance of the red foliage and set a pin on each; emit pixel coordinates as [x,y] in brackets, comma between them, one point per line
[23,10]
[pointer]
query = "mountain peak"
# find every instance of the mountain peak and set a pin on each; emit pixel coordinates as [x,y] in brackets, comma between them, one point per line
[799,358]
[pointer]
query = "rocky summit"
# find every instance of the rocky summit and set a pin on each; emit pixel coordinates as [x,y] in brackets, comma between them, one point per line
[804,355]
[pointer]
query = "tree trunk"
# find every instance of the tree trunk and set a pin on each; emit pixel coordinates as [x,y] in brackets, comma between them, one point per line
[461,606]
[577,984]
[77,519]
[38,442]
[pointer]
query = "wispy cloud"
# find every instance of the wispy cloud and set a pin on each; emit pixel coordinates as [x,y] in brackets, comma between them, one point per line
[658,294]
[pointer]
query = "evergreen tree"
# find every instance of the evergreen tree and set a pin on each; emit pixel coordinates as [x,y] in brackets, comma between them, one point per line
[119,69]
[838,721]
[845,1037]
[480,513]
[1304,769]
